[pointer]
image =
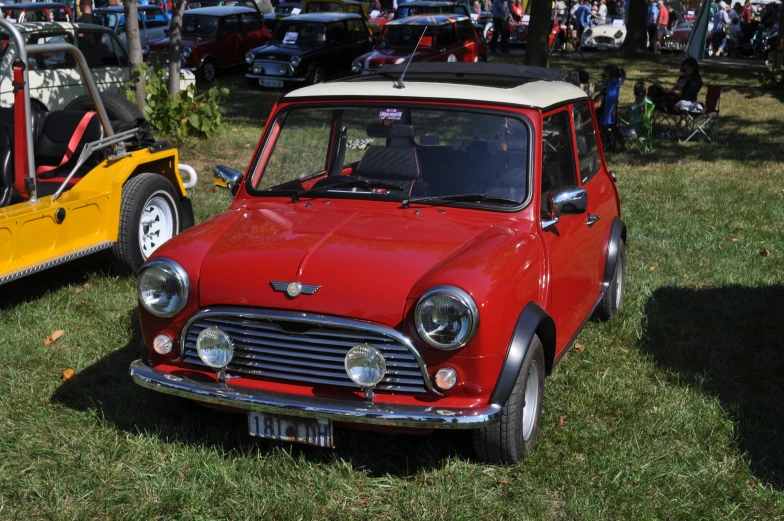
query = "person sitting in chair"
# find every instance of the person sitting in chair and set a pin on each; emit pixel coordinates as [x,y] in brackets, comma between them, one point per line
[631,127]
[610,72]
[686,88]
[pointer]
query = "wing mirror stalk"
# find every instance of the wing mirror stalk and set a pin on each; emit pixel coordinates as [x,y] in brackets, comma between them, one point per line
[567,202]
[226,177]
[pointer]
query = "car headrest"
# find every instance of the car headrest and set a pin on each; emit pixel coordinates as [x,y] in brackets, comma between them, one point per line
[380,130]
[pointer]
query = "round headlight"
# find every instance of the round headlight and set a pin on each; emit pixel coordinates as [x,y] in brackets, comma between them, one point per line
[446,317]
[249,58]
[365,365]
[295,61]
[214,347]
[186,52]
[257,68]
[587,33]
[618,34]
[163,344]
[145,50]
[446,378]
[356,67]
[163,287]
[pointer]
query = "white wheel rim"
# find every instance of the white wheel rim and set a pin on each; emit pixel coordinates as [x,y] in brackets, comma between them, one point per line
[531,400]
[156,224]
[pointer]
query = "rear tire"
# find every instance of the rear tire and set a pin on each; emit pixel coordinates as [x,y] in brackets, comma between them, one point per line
[149,216]
[117,107]
[612,300]
[517,433]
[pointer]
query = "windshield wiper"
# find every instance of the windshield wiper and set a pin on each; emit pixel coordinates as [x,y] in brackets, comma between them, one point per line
[479,198]
[354,183]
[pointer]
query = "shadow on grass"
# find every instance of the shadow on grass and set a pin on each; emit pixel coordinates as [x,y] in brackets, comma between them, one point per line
[730,342]
[106,388]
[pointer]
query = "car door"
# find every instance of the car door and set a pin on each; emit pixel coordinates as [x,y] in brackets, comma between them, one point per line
[467,37]
[448,45]
[107,58]
[333,54]
[572,265]
[359,42]
[230,41]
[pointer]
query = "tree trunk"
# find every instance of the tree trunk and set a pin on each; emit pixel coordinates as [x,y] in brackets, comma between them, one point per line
[780,44]
[537,50]
[134,51]
[175,46]
[636,27]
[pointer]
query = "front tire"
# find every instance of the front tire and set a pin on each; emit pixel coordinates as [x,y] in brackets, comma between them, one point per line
[517,433]
[149,216]
[612,300]
[208,70]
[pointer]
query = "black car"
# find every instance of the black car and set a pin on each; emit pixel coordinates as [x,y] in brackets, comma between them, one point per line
[309,48]
[283,10]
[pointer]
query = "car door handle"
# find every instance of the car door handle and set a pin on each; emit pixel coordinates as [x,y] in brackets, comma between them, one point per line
[591,219]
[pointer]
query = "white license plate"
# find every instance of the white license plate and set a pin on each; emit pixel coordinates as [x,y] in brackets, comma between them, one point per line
[310,431]
[601,47]
[271,83]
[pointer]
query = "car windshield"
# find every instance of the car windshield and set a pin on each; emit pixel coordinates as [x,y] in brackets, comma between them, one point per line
[201,25]
[299,33]
[394,153]
[407,36]
[324,7]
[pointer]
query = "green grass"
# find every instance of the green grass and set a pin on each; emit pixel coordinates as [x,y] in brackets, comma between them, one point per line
[672,410]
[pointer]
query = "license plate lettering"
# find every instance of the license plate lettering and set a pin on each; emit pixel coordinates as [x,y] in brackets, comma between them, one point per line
[271,83]
[309,431]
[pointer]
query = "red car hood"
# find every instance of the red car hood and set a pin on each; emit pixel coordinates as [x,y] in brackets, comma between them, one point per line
[377,58]
[366,263]
[187,41]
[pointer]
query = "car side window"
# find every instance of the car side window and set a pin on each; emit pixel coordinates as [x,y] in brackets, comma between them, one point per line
[230,25]
[52,60]
[587,143]
[465,30]
[446,36]
[558,170]
[356,29]
[355,9]
[250,22]
[336,32]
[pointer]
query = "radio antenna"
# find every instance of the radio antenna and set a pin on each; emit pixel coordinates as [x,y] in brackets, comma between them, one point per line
[399,83]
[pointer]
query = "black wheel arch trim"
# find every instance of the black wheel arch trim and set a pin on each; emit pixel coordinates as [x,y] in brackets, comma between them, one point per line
[617,234]
[532,320]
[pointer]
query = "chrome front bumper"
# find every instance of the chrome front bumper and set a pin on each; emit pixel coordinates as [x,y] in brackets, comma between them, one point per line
[307,406]
[279,78]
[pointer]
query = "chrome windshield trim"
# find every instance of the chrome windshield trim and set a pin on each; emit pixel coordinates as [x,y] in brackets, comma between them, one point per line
[360,411]
[311,318]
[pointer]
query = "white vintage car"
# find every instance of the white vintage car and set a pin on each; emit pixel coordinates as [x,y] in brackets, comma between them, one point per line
[55,82]
[604,37]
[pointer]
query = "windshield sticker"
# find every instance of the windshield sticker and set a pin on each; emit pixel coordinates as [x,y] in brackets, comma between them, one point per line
[374,13]
[359,144]
[474,17]
[291,37]
[393,114]
[296,11]
[429,140]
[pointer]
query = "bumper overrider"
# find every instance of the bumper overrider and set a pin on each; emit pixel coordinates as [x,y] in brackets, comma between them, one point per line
[221,394]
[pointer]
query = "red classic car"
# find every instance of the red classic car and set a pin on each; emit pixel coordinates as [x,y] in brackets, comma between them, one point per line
[37,12]
[397,258]
[213,38]
[436,38]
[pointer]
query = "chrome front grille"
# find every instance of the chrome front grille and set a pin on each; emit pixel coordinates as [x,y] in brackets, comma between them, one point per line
[307,349]
[270,68]
[604,40]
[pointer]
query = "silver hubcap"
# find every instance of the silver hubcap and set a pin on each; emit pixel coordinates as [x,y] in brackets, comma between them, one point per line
[209,71]
[531,400]
[156,225]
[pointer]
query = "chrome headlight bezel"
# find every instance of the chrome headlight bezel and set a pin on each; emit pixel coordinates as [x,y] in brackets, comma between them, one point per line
[295,61]
[145,50]
[462,298]
[249,58]
[356,67]
[619,34]
[180,276]
[186,52]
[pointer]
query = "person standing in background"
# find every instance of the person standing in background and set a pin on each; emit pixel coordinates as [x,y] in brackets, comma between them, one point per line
[662,22]
[651,23]
[500,26]
[745,12]
[86,7]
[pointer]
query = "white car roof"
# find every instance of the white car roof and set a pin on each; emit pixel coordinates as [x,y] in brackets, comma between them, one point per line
[484,83]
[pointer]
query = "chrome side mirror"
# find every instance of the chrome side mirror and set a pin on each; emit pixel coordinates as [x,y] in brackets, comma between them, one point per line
[226,177]
[568,202]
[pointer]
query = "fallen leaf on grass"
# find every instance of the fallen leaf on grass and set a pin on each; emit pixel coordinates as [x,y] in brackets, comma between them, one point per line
[234,129]
[247,146]
[79,291]
[712,228]
[653,268]
[732,239]
[688,250]
[579,347]
[54,337]
[501,481]
[68,374]
[764,252]
[561,421]
[686,276]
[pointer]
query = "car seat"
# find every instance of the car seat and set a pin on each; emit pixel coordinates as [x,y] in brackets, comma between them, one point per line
[396,163]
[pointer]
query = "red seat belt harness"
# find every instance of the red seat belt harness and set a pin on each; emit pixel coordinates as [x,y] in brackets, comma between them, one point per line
[73,143]
[21,166]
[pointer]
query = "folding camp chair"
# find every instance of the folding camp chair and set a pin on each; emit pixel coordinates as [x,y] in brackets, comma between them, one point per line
[705,123]
[643,141]
[608,126]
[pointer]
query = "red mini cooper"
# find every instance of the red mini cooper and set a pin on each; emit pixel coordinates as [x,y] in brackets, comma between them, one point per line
[401,253]
[424,38]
